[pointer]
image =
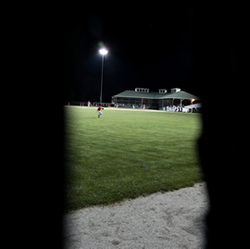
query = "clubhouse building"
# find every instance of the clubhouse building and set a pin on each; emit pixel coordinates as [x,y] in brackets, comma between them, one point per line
[154,100]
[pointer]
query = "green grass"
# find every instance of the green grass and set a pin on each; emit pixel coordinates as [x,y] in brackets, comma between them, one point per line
[126,154]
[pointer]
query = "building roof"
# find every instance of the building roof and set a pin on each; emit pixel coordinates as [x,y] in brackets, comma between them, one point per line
[181,95]
[134,94]
[155,95]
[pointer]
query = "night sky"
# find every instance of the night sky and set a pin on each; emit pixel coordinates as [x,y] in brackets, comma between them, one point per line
[149,47]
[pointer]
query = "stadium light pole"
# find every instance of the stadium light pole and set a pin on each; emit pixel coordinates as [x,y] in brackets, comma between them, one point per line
[103,52]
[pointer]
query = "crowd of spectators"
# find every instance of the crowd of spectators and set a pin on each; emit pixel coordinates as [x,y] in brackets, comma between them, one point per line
[172,108]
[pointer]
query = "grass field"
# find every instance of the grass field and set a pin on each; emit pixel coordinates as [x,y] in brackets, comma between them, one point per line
[126,154]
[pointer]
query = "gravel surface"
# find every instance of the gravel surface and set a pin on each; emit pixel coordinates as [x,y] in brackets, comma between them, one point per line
[161,220]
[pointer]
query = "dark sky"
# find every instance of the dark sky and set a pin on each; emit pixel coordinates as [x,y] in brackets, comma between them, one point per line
[149,46]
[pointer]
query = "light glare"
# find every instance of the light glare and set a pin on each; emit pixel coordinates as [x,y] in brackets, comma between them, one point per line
[103,51]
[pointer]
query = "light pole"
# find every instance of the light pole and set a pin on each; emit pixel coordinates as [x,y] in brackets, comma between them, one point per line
[103,52]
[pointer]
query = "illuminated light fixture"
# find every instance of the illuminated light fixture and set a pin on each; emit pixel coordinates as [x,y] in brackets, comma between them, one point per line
[103,51]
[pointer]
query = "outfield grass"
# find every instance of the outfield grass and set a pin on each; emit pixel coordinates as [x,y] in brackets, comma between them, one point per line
[126,154]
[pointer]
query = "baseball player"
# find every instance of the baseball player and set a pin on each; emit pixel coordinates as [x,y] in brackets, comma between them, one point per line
[99,111]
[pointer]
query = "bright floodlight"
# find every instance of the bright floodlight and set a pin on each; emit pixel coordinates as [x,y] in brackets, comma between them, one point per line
[103,51]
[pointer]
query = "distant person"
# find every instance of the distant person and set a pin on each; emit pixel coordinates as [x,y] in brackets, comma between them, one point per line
[99,111]
[89,104]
